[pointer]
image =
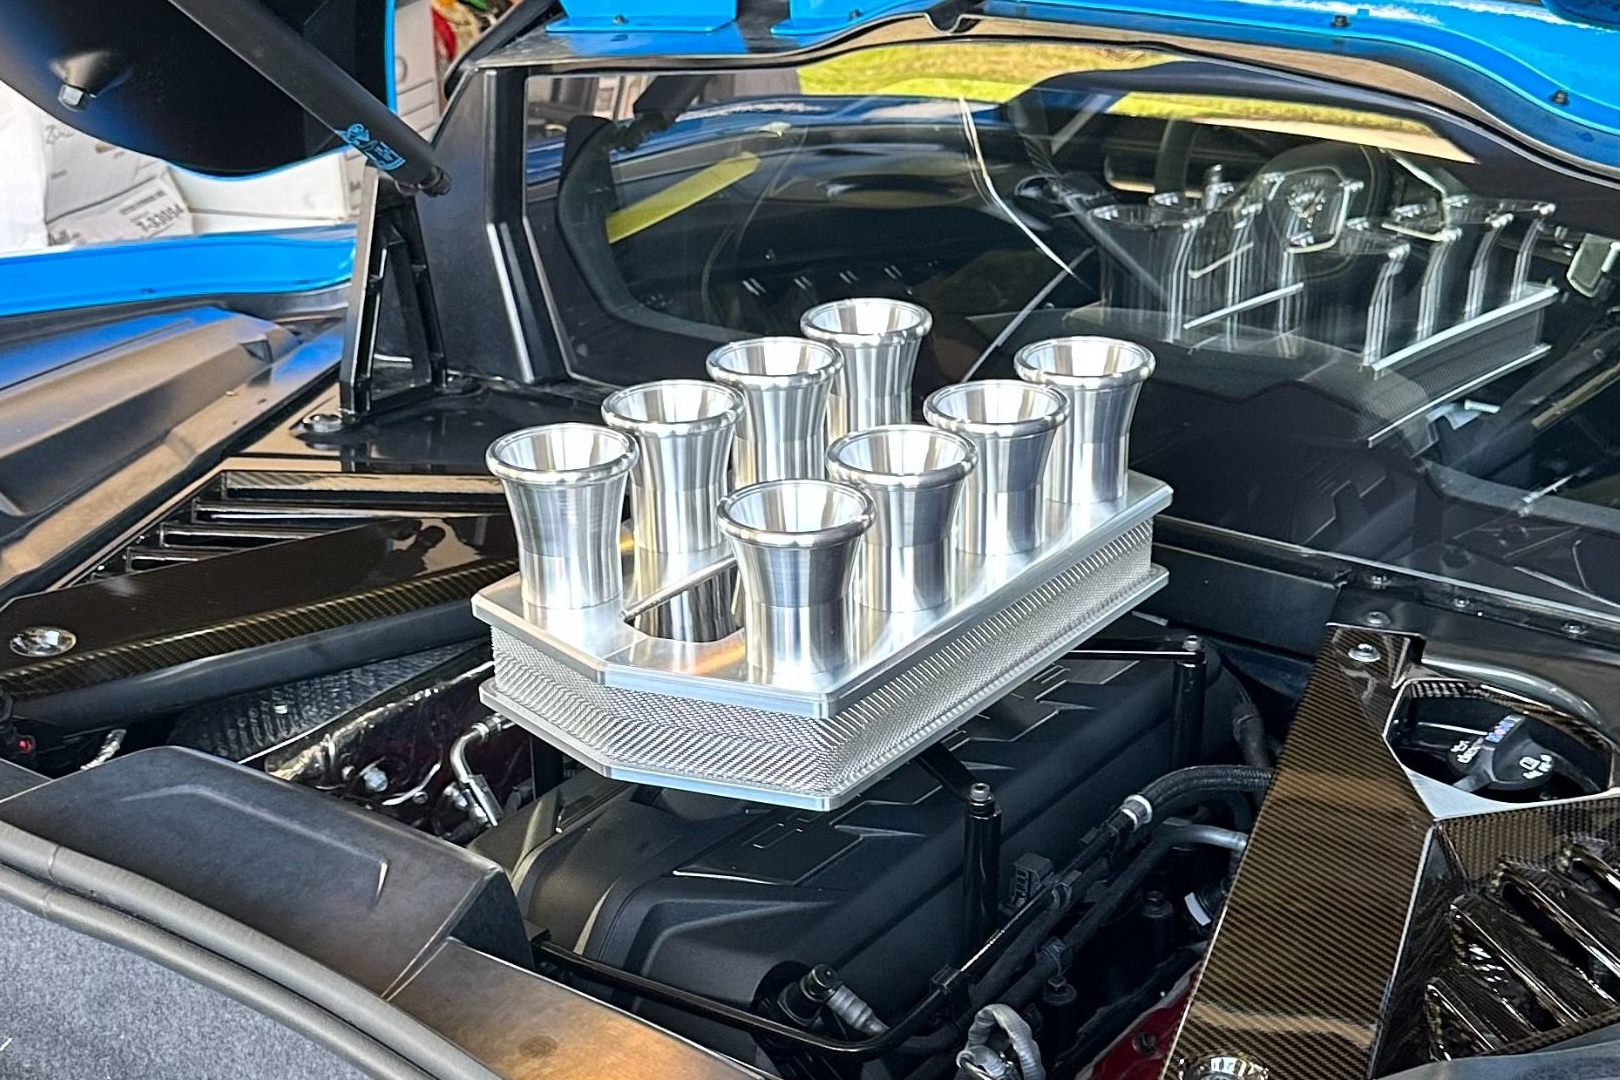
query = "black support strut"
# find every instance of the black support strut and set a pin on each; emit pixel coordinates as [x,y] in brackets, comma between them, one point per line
[981,844]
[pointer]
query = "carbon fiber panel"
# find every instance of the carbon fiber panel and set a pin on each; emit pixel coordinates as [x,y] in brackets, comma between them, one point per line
[1298,970]
[1357,916]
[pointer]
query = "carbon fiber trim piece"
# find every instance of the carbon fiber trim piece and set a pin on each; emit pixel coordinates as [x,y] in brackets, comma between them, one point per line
[243,725]
[1360,921]
[1297,973]
[147,622]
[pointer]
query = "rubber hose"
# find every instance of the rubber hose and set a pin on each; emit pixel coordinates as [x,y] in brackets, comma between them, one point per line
[1019,1038]
[1121,889]
[1250,732]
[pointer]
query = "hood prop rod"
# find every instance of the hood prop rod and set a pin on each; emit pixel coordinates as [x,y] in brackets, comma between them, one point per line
[269,46]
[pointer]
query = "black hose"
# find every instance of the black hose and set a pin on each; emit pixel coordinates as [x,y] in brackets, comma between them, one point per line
[1119,890]
[1250,732]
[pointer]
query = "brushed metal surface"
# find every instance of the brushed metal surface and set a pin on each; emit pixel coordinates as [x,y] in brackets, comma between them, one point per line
[818,762]
[599,644]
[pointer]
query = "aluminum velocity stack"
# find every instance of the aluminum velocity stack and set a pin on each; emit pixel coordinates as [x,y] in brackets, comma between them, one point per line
[784,382]
[565,486]
[878,340]
[1101,378]
[795,542]
[684,430]
[1011,425]
[913,474]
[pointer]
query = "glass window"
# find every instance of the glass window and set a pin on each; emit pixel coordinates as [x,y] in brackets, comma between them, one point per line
[1378,333]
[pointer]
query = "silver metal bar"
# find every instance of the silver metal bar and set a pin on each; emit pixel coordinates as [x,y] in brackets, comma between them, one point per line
[1246,305]
[1534,299]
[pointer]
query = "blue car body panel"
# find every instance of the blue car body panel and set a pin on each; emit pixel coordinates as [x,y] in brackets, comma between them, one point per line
[1554,79]
[298,260]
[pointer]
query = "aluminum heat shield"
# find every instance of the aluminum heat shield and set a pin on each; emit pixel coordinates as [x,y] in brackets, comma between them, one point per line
[693,715]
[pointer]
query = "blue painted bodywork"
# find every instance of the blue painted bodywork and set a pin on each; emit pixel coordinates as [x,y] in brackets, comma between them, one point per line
[1555,80]
[298,260]
[1551,78]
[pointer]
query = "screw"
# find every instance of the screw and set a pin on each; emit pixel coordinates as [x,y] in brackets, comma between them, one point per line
[43,641]
[1192,643]
[1575,629]
[1377,619]
[1365,653]
[1341,21]
[1144,1043]
[619,20]
[323,423]
[374,780]
[1560,97]
[1460,603]
[1227,1067]
[980,793]
[1377,581]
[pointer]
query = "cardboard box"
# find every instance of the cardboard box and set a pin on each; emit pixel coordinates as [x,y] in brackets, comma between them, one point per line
[151,208]
[83,172]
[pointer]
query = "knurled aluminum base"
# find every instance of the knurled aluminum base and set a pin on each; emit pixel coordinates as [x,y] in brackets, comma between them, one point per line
[819,763]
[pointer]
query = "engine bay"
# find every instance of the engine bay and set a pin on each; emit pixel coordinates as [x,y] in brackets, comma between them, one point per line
[1329,793]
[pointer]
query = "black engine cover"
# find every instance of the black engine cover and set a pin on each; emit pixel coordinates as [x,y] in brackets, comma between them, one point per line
[722,896]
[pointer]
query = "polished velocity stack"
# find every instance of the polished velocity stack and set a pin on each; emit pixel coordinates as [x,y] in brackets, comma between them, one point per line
[793,638]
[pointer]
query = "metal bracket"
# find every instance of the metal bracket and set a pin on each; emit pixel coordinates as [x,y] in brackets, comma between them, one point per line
[389,255]
[1187,690]
[981,844]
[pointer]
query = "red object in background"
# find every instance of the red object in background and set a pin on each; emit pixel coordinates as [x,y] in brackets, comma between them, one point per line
[1140,1052]
[444,40]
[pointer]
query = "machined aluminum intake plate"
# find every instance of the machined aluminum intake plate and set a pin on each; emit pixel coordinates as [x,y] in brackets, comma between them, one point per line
[692,715]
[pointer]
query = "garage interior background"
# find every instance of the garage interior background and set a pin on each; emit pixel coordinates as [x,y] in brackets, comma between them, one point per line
[65,188]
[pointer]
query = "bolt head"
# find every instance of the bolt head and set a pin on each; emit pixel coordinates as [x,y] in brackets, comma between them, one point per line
[42,641]
[1460,603]
[1365,653]
[1575,629]
[1378,581]
[1227,1067]
[323,423]
[1377,619]
[374,780]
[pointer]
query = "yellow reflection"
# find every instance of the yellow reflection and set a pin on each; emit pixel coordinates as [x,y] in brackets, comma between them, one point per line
[977,71]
